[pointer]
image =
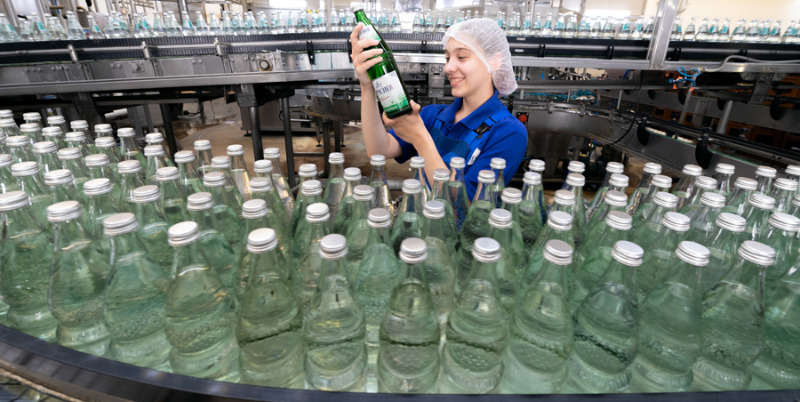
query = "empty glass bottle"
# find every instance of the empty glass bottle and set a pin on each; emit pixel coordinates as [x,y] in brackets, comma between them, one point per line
[8,182]
[222,164]
[46,156]
[20,149]
[173,199]
[685,188]
[742,188]
[558,227]
[30,181]
[612,168]
[75,140]
[377,180]
[219,254]
[270,322]
[238,169]
[189,178]
[62,186]
[646,230]
[531,208]
[417,167]
[781,235]
[408,361]
[765,175]
[642,189]
[82,126]
[408,222]
[356,227]
[310,193]
[722,174]
[225,209]
[200,312]
[77,282]
[156,160]
[783,190]
[55,135]
[703,227]
[335,186]
[261,188]
[759,208]
[457,190]
[659,183]
[108,146]
[130,173]
[98,166]
[692,204]
[305,253]
[128,148]
[202,150]
[33,131]
[281,184]
[71,159]
[613,200]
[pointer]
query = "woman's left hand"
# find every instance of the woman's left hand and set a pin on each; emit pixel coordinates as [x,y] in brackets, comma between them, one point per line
[409,127]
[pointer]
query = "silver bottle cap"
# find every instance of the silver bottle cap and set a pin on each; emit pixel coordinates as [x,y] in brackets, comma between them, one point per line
[532,179]
[32,116]
[713,200]
[766,171]
[558,252]
[417,162]
[576,167]
[731,222]
[615,198]
[167,173]
[693,253]
[307,170]
[725,168]
[336,158]
[619,220]
[676,221]
[271,153]
[379,218]
[259,184]
[68,154]
[154,150]
[500,218]
[28,168]
[576,180]
[352,174]
[536,165]
[199,201]
[377,160]
[457,162]
[13,199]
[661,181]
[262,240]
[97,187]
[214,179]
[333,247]
[317,212]
[58,177]
[745,183]
[411,186]
[665,200]
[511,195]
[497,163]
[441,174]
[5,160]
[652,168]
[564,197]
[17,141]
[55,120]
[757,253]
[486,177]
[44,147]
[64,211]
[434,209]
[363,192]
[103,129]
[235,150]
[782,184]
[792,170]
[413,250]
[7,122]
[761,201]
[52,132]
[184,157]
[705,182]
[146,194]
[619,180]
[356,7]
[119,224]
[782,221]
[262,166]
[79,124]
[157,138]
[6,114]
[692,170]
[29,128]
[129,166]
[220,162]
[105,142]
[310,188]
[486,250]
[559,220]
[183,233]
[627,253]
[74,136]
[254,209]
[201,145]
[125,132]
[615,167]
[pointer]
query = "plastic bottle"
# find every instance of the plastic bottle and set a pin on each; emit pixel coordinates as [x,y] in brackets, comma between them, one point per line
[457,191]
[189,178]
[742,188]
[408,222]
[650,169]
[660,258]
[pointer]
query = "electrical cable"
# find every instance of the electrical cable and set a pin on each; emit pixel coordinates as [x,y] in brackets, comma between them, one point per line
[636,112]
[747,59]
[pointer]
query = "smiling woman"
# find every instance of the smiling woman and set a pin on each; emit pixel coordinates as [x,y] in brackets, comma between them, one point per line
[476,126]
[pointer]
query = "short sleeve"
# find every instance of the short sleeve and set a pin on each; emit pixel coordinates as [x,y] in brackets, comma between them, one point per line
[428,115]
[508,140]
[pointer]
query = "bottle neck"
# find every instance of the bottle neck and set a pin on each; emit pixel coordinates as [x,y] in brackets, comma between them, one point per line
[149,213]
[645,182]
[65,192]
[76,167]
[267,268]
[553,277]
[221,197]
[378,175]
[203,157]
[20,223]
[70,234]
[190,258]
[411,203]
[113,158]
[124,244]
[100,172]
[237,162]
[414,273]
[205,219]
[48,161]
[187,171]
[457,175]
[101,205]
[657,214]
[128,146]
[747,274]
[170,190]
[276,166]
[33,186]
[336,171]
[620,274]
[439,191]
[764,184]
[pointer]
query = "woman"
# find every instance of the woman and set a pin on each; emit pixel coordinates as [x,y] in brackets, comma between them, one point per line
[476,126]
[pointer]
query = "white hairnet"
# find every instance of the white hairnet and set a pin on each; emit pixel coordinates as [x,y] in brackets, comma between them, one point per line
[487,40]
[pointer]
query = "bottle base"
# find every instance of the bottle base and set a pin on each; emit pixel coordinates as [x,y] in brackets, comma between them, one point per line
[713,376]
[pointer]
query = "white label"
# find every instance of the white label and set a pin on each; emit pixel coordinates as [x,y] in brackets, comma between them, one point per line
[474,156]
[390,93]
[368,32]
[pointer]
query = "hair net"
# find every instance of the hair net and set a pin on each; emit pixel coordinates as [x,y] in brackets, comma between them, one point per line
[487,40]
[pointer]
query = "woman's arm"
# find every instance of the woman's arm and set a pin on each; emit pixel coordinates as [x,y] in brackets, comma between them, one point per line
[411,129]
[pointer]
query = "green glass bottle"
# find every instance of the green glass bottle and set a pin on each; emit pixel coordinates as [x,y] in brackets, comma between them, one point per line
[476,223]
[439,235]
[408,361]
[711,205]
[647,229]
[30,181]
[612,168]
[135,300]
[46,154]
[217,249]
[77,282]
[643,188]
[417,167]
[722,174]
[782,237]
[723,245]
[353,217]
[669,326]
[765,175]
[783,190]
[685,188]
[310,193]
[222,165]
[385,75]
[305,253]
[457,190]
[477,328]
[605,325]
[334,187]
[173,199]
[737,200]
[226,209]
[8,182]
[270,322]
[334,326]
[377,180]
[733,322]
[189,178]
[531,209]
[153,224]
[613,200]
[130,174]
[540,329]
[26,256]
[72,159]
[155,159]
[280,182]
[702,185]
[558,227]
[660,258]
[408,222]
[756,213]
[200,312]
[659,183]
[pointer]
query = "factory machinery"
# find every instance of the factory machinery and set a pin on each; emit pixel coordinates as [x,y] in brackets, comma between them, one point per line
[673,102]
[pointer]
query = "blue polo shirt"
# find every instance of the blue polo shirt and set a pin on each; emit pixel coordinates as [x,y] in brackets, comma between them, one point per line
[507,139]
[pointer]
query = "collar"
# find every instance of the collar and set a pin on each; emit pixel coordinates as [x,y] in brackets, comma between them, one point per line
[478,116]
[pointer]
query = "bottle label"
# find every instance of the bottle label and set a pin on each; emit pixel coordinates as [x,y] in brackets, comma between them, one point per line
[390,93]
[368,32]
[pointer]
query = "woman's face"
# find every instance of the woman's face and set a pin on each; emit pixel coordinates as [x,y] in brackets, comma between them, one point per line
[465,70]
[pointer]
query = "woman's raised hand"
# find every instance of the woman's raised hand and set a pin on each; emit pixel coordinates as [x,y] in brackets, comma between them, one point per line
[364,59]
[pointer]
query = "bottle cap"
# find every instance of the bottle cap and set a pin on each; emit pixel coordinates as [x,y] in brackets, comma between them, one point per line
[377,160]
[576,167]
[74,136]
[725,168]
[184,157]
[64,211]
[153,150]
[486,250]
[731,222]
[417,162]
[307,170]
[29,128]
[13,199]
[536,165]
[17,141]
[356,7]
[254,209]
[619,220]
[619,180]
[262,240]
[336,158]
[705,182]
[413,250]
[379,218]
[97,187]
[146,194]
[665,200]
[615,198]
[745,183]
[661,181]
[259,185]
[167,173]
[757,253]
[795,199]
[713,200]
[500,218]
[52,132]
[782,221]
[766,171]
[235,150]
[79,124]
[780,184]
[214,179]
[564,197]
[434,209]
[497,163]
[119,224]
[129,166]
[5,160]
[627,253]
[559,220]
[333,247]
[792,170]
[486,177]
[615,168]
[31,116]
[441,174]
[124,132]
[262,166]
[6,114]
[183,233]
[532,179]
[693,253]
[692,170]
[106,142]
[317,212]
[511,196]
[199,201]
[220,162]
[411,186]
[576,180]
[201,145]
[761,201]
[157,138]
[58,177]
[28,168]
[363,192]
[652,168]
[676,221]
[271,153]
[68,154]
[44,147]
[558,252]
[352,174]
[310,188]
[457,162]
[7,122]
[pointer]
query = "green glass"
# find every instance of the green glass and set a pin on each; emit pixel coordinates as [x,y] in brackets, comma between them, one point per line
[305,253]
[457,191]
[660,258]
[408,222]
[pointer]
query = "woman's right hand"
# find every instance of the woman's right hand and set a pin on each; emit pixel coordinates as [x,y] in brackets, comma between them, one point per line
[364,59]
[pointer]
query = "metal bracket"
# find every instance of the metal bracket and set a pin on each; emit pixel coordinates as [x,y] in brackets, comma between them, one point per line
[610,52]
[542,49]
[310,52]
[146,51]
[676,54]
[218,47]
[760,89]
[73,55]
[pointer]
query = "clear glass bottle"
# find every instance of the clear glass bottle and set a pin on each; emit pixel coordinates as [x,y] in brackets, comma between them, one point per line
[355,228]
[352,178]
[612,168]
[202,150]
[220,255]
[501,230]
[20,149]
[334,326]
[742,188]
[417,169]
[76,139]
[270,322]
[107,146]
[573,167]
[201,27]
[781,235]
[408,222]
[723,245]
[305,252]
[71,159]
[685,188]
[226,210]
[281,184]
[558,227]
[531,209]
[439,235]
[733,322]
[55,135]
[82,126]
[457,191]
[643,188]
[77,282]
[377,180]
[722,174]
[33,131]
[200,312]
[645,230]
[173,199]
[128,148]
[618,183]
[498,166]
[439,192]
[26,257]
[46,156]
[8,183]
[31,182]
[575,183]
[759,208]
[153,223]
[335,186]
[765,175]
[692,204]
[310,193]
[703,227]
[476,223]
[659,183]
[130,173]
[189,178]
[256,216]
[62,186]
[783,190]
[307,171]
[156,160]
[134,306]
[239,172]
[99,206]
[222,164]
[261,188]
[660,257]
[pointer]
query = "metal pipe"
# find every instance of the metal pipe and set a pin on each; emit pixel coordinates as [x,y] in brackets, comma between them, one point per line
[685,107]
[287,135]
[722,126]
[255,132]
[11,11]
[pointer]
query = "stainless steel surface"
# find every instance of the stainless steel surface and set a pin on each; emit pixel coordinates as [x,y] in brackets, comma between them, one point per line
[665,16]
[722,126]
